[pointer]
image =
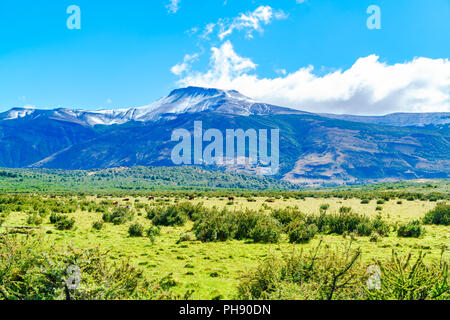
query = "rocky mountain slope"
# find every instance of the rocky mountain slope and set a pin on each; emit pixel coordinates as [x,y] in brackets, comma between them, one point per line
[314,149]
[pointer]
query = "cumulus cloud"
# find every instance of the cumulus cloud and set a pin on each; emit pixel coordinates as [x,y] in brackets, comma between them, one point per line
[248,22]
[184,66]
[173,6]
[369,87]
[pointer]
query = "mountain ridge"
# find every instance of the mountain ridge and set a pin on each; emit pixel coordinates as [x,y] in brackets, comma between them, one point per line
[184,100]
[199,99]
[314,149]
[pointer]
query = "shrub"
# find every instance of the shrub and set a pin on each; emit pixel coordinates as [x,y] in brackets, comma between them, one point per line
[136,230]
[190,210]
[365,201]
[65,223]
[438,216]
[261,282]
[346,220]
[320,275]
[151,213]
[364,229]
[118,216]
[380,226]
[55,217]
[344,210]
[287,215]
[410,230]
[374,236]
[170,216]
[153,232]
[98,225]
[27,274]
[34,219]
[406,279]
[380,201]
[62,221]
[186,237]
[299,232]
[324,207]
[266,230]
[245,222]
[215,226]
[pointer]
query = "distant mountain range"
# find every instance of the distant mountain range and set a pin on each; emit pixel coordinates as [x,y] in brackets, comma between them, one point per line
[315,149]
[187,100]
[400,119]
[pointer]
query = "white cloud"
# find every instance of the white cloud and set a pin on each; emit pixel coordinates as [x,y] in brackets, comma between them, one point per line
[225,65]
[173,6]
[368,87]
[185,66]
[248,22]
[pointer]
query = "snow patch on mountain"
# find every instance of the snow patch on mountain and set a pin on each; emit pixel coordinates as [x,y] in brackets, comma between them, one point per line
[196,99]
[16,113]
[179,101]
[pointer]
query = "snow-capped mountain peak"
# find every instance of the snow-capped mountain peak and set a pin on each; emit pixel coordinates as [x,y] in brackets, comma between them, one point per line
[17,113]
[179,101]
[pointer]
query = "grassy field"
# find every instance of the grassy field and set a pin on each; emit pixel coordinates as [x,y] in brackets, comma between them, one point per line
[212,270]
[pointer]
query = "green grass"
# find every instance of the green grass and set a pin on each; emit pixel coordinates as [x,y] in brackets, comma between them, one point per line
[213,269]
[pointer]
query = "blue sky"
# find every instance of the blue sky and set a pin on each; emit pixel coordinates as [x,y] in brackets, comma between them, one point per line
[125,51]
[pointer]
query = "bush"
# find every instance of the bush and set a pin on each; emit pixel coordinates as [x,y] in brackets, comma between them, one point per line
[65,223]
[266,230]
[345,210]
[324,207]
[170,216]
[118,216]
[29,274]
[215,226]
[62,221]
[136,230]
[261,282]
[380,226]
[381,201]
[410,230]
[245,222]
[364,229]
[287,215]
[98,225]
[374,237]
[55,217]
[299,232]
[153,232]
[439,216]
[186,237]
[151,213]
[319,275]
[365,201]
[346,220]
[34,219]
[406,279]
